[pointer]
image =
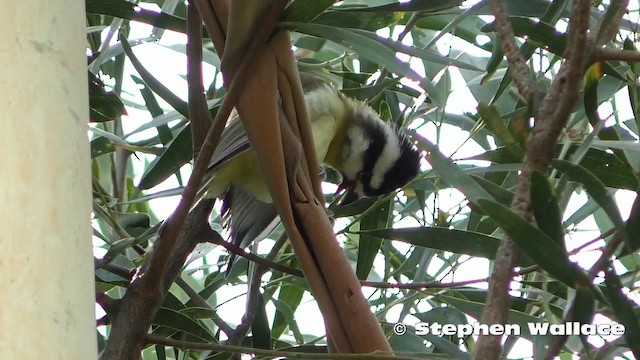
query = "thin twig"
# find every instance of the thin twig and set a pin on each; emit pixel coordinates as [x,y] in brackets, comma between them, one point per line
[200,301]
[233,248]
[517,64]
[105,301]
[606,255]
[608,24]
[114,269]
[605,54]
[254,292]
[251,309]
[198,110]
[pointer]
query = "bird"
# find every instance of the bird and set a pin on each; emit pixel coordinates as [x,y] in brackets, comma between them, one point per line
[373,157]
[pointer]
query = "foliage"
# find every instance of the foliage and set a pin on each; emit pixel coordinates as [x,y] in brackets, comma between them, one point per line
[449,221]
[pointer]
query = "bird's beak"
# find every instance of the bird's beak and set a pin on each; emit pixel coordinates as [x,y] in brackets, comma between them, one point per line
[349,189]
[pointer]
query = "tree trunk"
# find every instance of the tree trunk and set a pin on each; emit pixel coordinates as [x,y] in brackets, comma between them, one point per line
[46,266]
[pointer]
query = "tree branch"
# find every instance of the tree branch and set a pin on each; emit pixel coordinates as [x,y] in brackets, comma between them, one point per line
[250,313]
[233,248]
[200,301]
[604,54]
[136,310]
[608,24]
[554,113]
[198,110]
[517,64]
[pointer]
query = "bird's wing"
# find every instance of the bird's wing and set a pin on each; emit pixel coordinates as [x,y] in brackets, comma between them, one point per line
[248,219]
[233,142]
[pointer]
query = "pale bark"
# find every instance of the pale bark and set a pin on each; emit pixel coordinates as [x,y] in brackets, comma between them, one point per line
[46,265]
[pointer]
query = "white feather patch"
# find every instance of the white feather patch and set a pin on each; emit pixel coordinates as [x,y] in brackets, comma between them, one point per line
[353,161]
[390,154]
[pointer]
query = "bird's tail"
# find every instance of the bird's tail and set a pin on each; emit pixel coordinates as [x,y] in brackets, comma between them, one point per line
[247,218]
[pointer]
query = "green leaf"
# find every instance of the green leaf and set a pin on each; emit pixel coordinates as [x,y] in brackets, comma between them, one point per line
[546,209]
[491,116]
[160,352]
[583,307]
[447,347]
[154,109]
[431,56]
[499,193]
[285,315]
[200,313]
[539,33]
[425,6]
[118,247]
[536,244]
[305,10]
[179,152]
[633,88]
[370,49]
[175,320]
[450,172]
[605,166]
[497,55]
[364,20]
[153,83]
[368,246]
[130,11]
[260,326]
[596,189]
[101,146]
[591,81]
[624,309]
[443,315]
[475,309]
[104,105]
[633,228]
[456,241]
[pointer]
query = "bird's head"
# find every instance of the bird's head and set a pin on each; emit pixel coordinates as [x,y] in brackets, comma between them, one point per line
[377,158]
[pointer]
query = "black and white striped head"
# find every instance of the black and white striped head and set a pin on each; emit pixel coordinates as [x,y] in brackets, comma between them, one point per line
[377,158]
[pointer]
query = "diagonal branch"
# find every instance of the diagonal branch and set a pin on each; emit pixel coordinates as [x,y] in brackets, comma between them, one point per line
[198,110]
[201,302]
[517,64]
[550,120]
[608,24]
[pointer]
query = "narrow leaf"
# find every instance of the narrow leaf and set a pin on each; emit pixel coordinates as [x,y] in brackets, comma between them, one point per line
[260,326]
[546,209]
[596,189]
[456,241]
[368,48]
[130,11]
[153,83]
[624,309]
[533,242]
[368,246]
[452,173]
[178,153]
[175,320]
